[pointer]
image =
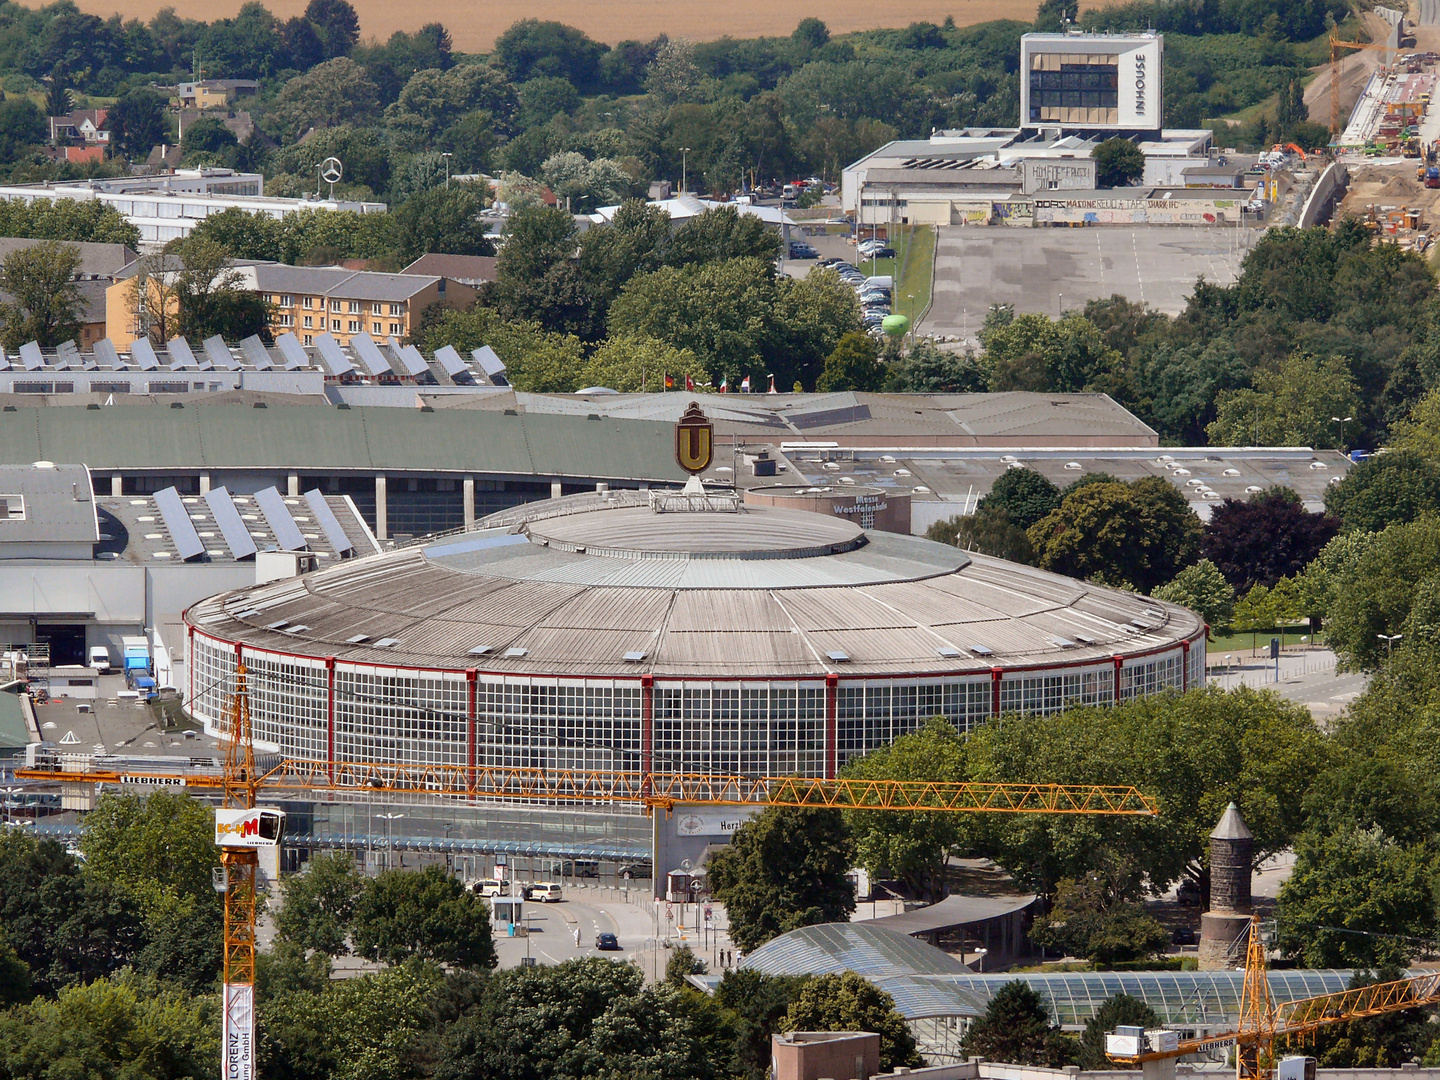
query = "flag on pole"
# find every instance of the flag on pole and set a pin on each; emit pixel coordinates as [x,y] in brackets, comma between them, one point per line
[689,384]
[772,389]
[725,385]
[669,382]
[745,385]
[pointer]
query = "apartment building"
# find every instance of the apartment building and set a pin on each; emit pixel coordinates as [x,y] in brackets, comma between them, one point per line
[311,300]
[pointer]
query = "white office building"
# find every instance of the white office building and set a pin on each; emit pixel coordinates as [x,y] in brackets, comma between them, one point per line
[1091,82]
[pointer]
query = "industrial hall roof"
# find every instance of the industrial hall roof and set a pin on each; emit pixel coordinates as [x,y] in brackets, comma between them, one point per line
[338,439]
[606,585]
[47,503]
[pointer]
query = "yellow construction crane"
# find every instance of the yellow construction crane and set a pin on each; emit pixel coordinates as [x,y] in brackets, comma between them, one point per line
[242,828]
[1263,1020]
[1336,45]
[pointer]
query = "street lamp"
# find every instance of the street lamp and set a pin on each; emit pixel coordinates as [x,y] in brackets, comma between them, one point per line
[684,163]
[446,154]
[10,793]
[1389,640]
[390,819]
[1342,421]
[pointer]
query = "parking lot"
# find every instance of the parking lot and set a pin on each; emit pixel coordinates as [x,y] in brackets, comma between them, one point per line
[1045,270]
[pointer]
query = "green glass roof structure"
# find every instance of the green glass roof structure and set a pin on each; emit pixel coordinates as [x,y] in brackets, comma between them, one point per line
[926,982]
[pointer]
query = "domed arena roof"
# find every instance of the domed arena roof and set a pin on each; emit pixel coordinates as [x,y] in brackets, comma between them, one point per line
[613,585]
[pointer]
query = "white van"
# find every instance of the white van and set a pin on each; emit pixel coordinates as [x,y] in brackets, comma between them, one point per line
[100,659]
[547,892]
[488,887]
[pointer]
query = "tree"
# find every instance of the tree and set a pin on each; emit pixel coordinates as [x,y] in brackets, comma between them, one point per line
[719,234]
[1092,918]
[444,219]
[428,914]
[1291,407]
[207,138]
[15,982]
[1378,590]
[628,363]
[1264,538]
[784,869]
[758,1004]
[1113,1011]
[1118,163]
[1024,494]
[137,123]
[912,847]
[929,369]
[1356,880]
[849,1002]
[577,1019]
[162,839]
[1142,533]
[110,1028]
[336,25]
[1386,489]
[1204,590]
[21,125]
[1016,1029]
[43,302]
[210,294]
[1034,352]
[536,361]
[989,531]
[682,963]
[532,49]
[583,184]
[320,904]
[854,365]
[57,98]
[331,94]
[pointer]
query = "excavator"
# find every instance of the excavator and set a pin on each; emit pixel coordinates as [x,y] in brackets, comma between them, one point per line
[243,829]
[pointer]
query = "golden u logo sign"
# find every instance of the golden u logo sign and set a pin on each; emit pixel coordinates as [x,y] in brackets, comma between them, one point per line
[694,436]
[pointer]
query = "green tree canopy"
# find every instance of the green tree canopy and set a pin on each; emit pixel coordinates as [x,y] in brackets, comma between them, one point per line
[1115,1010]
[1024,494]
[1093,919]
[1142,533]
[849,1002]
[1118,163]
[1377,592]
[719,234]
[320,903]
[989,531]
[1034,352]
[1203,589]
[45,303]
[428,914]
[162,839]
[784,869]
[853,365]
[137,123]
[1016,1028]
[1291,407]
[1386,489]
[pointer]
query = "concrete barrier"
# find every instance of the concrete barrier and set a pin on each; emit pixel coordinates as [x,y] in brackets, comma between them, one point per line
[1325,196]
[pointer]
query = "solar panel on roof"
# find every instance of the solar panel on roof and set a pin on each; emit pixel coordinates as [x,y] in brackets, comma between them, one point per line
[329,523]
[32,356]
[287,533]
[177,520]
[237,536]
[489,362]
[371,359]
[5,359]
[182,357]
[450,360]
[293,351]
[143,354]
[254,350]
[333,356]
[219,353]
[67,355]
[409,360]
[106,355]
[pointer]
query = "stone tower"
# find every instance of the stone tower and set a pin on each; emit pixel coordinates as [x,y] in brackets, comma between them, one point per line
[1223,927]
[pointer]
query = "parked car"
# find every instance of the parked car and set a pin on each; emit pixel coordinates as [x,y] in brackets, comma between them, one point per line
[880,253]
[607,942]
[488,887]
[547,892]
[802,251]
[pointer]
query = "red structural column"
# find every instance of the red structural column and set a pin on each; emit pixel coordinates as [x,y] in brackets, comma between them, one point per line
[472,685]
[832,727]
[1119,662]
[330,714]
[189,665]
[995,674]
[1185,665]
[647,728]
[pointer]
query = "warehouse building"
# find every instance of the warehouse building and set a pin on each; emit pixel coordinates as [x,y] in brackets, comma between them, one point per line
[633,632]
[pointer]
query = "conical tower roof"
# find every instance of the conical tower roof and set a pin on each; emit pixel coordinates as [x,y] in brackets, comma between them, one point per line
[1232,826]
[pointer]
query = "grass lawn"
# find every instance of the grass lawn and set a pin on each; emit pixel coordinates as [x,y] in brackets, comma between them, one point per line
[1239,644]
[912,268]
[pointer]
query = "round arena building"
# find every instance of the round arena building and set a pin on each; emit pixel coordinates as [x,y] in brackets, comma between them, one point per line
[655,632]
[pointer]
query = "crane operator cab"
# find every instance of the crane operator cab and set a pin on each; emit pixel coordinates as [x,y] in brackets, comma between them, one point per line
[261,827]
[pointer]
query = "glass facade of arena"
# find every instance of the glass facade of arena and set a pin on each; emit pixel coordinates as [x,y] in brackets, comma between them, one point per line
[325,710]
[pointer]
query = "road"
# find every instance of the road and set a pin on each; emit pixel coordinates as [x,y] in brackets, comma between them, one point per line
[1307,677]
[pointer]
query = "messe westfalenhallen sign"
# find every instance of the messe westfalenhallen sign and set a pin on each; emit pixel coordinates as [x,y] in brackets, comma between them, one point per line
[238,1051]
